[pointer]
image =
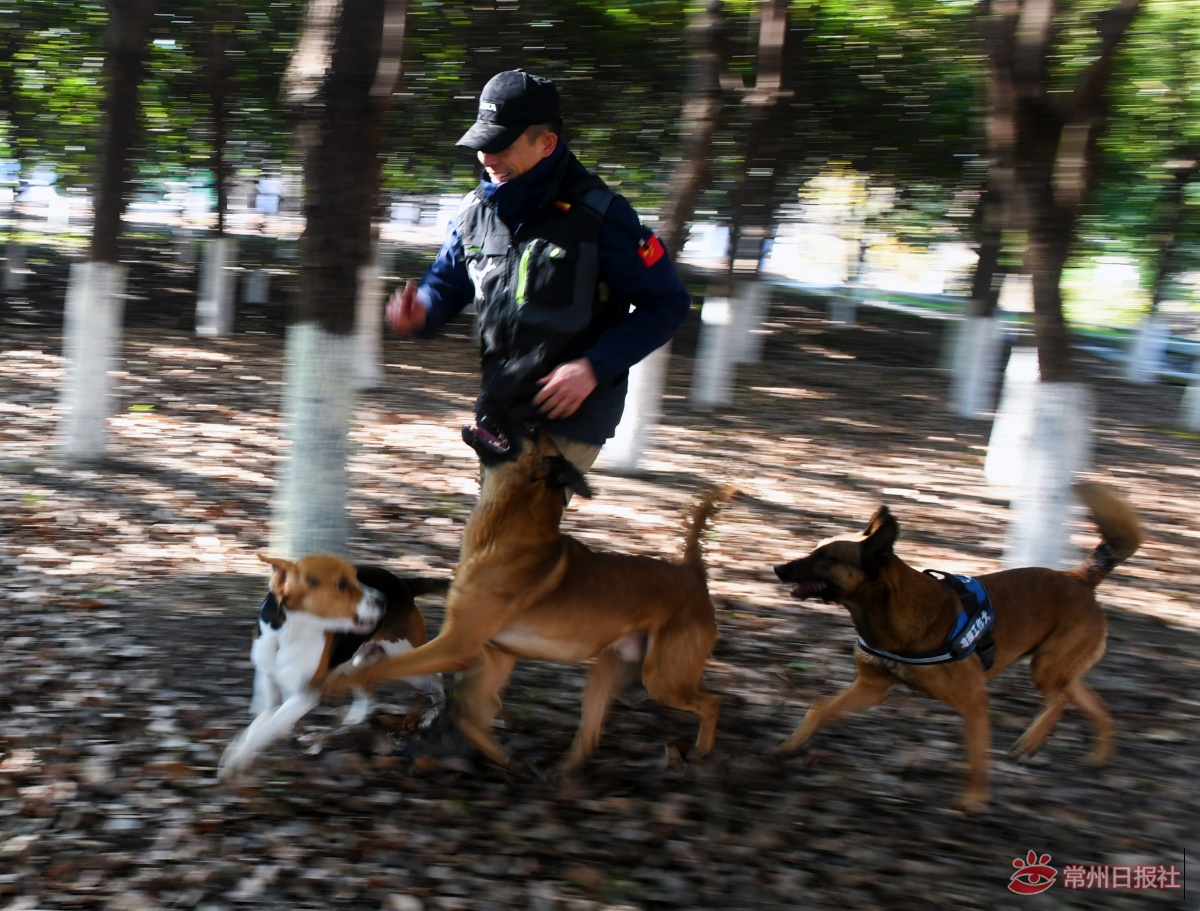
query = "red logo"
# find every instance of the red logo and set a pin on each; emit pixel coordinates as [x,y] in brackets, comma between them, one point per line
[651,250]
[1034,874]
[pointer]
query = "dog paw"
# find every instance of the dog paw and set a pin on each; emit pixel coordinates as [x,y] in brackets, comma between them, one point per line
[337,682]
[1099,757]
[233,766]
[972,803]
[792,746]
[1027,752]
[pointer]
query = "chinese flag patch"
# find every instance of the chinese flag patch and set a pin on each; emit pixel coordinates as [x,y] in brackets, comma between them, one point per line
[651,250]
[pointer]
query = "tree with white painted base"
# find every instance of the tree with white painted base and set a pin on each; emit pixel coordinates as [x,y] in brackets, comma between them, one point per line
[1041,143]
[977,338]
[341,81]
[96,294]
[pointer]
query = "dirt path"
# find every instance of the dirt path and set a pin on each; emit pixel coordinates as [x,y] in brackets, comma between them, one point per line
[128,593]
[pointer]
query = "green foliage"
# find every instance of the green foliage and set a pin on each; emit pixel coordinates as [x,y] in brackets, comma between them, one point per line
[52,54]
[51,62]
[891,89]
[619,68]
[1155,128]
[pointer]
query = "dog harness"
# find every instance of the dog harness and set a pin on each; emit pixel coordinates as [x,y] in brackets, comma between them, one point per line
[972,630]
[271,611]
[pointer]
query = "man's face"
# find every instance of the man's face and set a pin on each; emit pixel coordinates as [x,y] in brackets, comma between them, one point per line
[517,158]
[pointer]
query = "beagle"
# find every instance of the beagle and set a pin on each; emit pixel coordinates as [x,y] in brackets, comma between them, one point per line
[322,612]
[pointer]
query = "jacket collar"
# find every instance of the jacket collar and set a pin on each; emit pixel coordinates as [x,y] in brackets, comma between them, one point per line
[517,199]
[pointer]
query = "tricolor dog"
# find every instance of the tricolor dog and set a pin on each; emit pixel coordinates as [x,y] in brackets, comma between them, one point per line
[948,636]
[322,612]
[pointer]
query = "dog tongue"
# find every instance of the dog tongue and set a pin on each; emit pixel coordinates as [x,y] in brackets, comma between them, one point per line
[804,589]
[487,436]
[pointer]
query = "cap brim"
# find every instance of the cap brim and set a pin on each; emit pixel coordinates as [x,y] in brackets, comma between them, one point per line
[489,137]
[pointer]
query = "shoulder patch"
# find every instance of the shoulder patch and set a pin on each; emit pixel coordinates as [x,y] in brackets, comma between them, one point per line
[651,250]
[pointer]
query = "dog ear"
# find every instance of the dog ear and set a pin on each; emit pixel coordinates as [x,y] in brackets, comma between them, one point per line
[880,516]
[880,538]
[283,569]
[561,473]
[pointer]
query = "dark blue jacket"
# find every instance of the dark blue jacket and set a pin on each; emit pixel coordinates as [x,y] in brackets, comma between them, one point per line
[629,264]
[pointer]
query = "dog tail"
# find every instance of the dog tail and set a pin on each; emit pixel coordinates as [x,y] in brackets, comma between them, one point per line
[692,554]
[1120,531]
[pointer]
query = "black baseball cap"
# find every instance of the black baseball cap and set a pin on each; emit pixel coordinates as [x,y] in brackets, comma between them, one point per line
[509,104]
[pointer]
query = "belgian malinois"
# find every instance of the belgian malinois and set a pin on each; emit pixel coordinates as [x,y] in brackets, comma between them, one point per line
[914,629]
[522,589]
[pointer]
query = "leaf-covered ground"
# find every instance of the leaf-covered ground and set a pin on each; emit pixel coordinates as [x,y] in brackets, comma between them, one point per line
[129,591]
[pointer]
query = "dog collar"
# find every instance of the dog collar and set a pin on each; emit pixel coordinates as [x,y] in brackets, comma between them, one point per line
[271,611]
[972,629]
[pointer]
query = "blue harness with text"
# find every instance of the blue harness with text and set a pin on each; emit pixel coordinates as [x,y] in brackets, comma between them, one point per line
[972,631]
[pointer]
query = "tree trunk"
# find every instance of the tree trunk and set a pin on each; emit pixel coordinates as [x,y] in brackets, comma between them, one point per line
[988,277]
[975,352]
[702,109]
[702,112]
[1048,242]
[1183,169]
[96,289]
[216,302]
[19,124]
[127,44]
[752,207]
[1041,144]
[221,19]
[341,80]
[755,193]
[340,135]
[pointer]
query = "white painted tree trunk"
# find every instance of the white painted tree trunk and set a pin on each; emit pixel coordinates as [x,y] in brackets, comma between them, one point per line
[643,409]
[749,311]
[91,340]
[715,364]
[14,265]
[1045,507]
[843,309]
[973,366]
[256,286]
[1190,409]
[186,245]
[368,324]
[58,213]
[215,305]
[1012,430]
[309,510]
[1145,355]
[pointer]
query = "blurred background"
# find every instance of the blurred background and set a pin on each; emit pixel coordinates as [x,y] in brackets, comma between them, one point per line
[887,174]
[848,141]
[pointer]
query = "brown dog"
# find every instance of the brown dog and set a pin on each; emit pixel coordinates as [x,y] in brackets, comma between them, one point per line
[524,590]
[909,626]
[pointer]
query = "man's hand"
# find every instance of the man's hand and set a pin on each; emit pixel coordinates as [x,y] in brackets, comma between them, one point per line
[406,314]
[565,388]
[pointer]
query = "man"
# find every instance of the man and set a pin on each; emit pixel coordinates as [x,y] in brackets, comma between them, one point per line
[554,262]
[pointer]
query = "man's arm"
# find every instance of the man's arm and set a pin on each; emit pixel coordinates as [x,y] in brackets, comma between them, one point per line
[444,291]
[636,266]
